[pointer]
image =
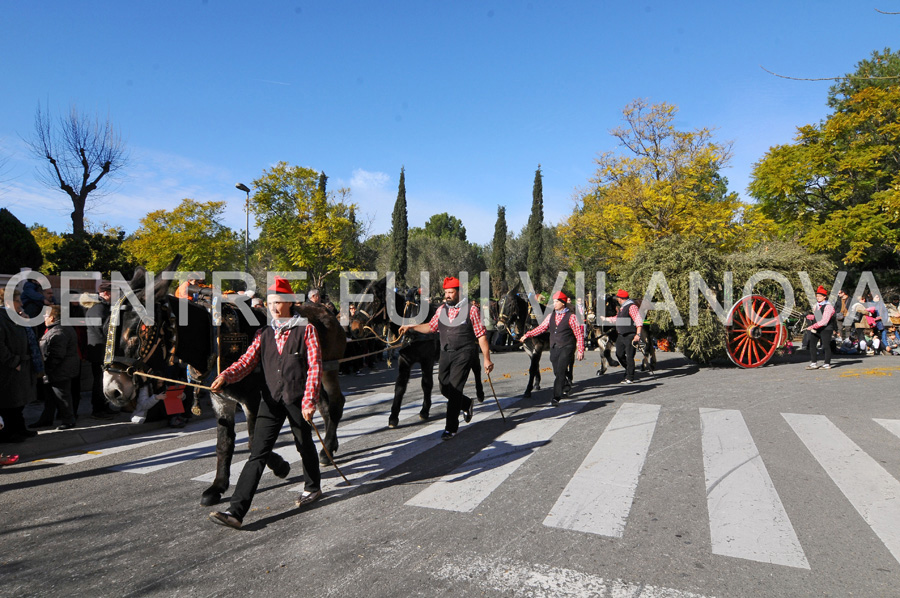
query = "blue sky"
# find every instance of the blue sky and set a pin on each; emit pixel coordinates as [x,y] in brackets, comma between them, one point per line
[468,96]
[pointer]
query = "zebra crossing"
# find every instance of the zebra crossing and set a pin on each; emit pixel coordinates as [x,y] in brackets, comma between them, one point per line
[746,516]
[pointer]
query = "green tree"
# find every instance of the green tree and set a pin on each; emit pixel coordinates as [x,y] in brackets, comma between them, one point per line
[81,153]
[880,71]
[441,226]
[535,230]
[195,230]
[837,187]
[19,246]
[400,233]
[103,251]
[498,252]
[667,183]
[301,228]
[47,240]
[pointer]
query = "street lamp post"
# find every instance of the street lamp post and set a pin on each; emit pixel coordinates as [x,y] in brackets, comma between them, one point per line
[246,190]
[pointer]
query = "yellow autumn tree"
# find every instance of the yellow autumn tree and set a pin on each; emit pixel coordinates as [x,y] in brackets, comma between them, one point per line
[302,227]
[665,183]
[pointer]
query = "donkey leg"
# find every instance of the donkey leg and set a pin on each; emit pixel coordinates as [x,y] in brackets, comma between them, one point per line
[399,390]
[536,366]
[332,410]
[479,385]
[427,365]
[532,375]
[224,451]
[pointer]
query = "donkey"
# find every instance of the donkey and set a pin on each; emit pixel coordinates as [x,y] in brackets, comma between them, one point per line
[607,334]
[515,316]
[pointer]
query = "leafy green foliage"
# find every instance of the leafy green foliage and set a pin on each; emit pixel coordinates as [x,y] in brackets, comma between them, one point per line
[195,230]
[677,257]
[837,187]
[441,226]
[400,232]
[103,252]
[302,228]
[666,184]
[498,253]
[535,229]
[19,246]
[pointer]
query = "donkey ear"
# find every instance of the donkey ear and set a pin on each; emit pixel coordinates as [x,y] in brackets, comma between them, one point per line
[161,288]
[174,264]
[139,280]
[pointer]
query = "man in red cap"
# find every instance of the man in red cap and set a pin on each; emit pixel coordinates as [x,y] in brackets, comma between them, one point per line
[291,360]
[461,334]
[820,330]
[629,324]
[566,344]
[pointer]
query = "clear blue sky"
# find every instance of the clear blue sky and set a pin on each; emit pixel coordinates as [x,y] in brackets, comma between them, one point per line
[469,96]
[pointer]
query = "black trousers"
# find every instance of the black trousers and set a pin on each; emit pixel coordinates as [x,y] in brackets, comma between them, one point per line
[58,401]
[453,372]
[824,335]
[269,421]
[625,354]
[562,359]
[98,401]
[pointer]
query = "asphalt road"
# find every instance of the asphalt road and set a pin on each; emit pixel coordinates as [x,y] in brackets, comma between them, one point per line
[692,482]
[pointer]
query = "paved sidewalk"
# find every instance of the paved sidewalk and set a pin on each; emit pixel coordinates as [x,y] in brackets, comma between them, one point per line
[87,430]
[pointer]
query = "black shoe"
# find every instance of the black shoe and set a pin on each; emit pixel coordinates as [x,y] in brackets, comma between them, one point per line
[554,401]
[66,427]
[29,433]
[447,435]
[467,416]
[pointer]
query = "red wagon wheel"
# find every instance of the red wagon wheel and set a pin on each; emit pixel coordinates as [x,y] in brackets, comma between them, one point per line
[753,331]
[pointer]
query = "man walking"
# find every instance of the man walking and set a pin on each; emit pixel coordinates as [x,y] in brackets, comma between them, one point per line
[820,330]
[458,323]
[629,323]
[566,344]
[288,352]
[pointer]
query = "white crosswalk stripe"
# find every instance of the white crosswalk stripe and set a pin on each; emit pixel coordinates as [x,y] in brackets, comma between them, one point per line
[746,517]
[467,486]
[598,498]
[872,491]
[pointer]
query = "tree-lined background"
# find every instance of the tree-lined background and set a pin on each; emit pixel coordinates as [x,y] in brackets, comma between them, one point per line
[657,201]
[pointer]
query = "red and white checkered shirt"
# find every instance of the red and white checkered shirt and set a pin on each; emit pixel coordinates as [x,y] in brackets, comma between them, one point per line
[634,312]
[452,312]
[573,324]
[827,314]
[250,359]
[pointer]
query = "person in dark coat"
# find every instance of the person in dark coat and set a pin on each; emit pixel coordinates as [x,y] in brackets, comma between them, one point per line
[97,319]
[59,348]
[16,372]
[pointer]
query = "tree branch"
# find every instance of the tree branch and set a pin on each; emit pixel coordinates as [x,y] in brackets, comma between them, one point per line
[848,77]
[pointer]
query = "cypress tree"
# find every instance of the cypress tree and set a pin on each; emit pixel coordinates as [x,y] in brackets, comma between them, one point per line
[498,252]
[323,181]
[536,231]
[400,233]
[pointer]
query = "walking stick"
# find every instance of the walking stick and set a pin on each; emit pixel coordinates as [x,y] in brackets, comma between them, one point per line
[495,397]
[327,452]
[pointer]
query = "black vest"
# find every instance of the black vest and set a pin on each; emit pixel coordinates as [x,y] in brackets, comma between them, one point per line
[562,335]
[460,336]
[286,373]
[829,325]
[624,323]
